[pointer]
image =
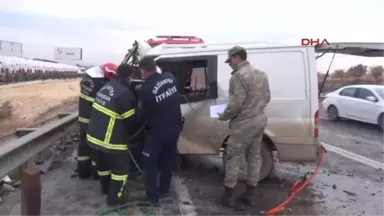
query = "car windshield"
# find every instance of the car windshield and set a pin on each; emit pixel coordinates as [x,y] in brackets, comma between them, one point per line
[380,92]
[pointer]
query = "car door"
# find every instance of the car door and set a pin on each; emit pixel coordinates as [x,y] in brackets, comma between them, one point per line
[345,102]
[364,109]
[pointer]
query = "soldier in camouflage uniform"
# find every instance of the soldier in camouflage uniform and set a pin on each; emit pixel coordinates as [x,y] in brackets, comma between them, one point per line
[249,94]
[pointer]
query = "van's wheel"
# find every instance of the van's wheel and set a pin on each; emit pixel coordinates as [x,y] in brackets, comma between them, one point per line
[266,164]
[380,121]
[333,113]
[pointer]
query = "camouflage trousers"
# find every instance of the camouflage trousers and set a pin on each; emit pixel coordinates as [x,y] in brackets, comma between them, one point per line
[246,145]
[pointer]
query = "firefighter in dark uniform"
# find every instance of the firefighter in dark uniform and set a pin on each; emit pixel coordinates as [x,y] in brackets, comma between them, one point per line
[159,103]
[95,78]
[112,122]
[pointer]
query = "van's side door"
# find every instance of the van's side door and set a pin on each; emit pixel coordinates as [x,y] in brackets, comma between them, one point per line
[197,79]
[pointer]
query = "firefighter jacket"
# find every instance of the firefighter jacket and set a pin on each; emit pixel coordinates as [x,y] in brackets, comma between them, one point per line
[88,88]
[113,118]
[160,104]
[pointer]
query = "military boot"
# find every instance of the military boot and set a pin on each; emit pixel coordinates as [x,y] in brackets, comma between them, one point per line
[247,197]
[228,200]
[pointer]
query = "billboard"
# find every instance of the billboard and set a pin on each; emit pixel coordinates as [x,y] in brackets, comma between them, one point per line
[9,48]
[68,53]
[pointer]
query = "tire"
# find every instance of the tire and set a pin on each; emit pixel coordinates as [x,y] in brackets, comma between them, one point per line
[333,113]
[380,121]
[266,165]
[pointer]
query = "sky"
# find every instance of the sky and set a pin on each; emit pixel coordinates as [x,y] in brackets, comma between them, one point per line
[106,29]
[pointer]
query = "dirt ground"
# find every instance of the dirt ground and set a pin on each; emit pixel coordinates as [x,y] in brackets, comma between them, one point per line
[25,105]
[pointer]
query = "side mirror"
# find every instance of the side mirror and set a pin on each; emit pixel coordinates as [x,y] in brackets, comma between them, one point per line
[371,98]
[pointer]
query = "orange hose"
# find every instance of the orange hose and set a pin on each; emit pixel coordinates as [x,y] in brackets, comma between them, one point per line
[296,189]
[295,186]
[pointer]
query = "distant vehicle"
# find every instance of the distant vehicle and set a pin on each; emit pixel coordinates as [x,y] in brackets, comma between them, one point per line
[363,103]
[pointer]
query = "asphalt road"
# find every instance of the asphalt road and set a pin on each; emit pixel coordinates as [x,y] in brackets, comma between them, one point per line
[343,186]
[360,138]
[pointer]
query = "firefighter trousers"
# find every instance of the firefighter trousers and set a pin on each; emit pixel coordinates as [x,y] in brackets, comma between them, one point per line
[159,154]
[86,166]
[113,169]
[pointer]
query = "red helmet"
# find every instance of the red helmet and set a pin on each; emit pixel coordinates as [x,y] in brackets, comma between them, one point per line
[109,70]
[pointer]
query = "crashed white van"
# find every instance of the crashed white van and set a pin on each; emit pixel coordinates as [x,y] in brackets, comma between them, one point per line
[293,116]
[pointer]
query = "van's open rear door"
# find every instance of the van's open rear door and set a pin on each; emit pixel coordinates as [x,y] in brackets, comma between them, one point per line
[356,49]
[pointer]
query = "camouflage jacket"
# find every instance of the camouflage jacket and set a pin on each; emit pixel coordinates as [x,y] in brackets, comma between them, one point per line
[249,94]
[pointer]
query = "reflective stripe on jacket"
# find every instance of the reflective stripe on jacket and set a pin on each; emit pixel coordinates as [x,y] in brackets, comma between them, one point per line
[113,118]
[88,88]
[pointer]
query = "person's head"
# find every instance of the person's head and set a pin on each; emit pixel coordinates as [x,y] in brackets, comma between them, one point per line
[236,55]
[147,67]
[109,70]
[124,72]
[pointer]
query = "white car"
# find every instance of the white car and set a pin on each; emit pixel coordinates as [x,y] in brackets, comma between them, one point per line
[363,103]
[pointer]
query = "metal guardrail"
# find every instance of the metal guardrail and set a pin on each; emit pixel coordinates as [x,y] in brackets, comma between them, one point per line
[17,152]
[26,130]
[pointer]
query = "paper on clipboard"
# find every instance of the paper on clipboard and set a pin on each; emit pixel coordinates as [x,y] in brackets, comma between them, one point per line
[217,109]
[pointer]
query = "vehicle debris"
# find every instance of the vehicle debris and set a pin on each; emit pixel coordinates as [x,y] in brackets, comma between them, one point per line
[6,179]
[45,165]
[349,193]
[6,184]
[7,187]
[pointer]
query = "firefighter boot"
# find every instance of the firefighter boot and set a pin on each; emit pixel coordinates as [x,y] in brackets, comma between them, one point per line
[104,183]
[228,200]
[117,193]
[248,195]
[94,171]
[113,201]
[83,169]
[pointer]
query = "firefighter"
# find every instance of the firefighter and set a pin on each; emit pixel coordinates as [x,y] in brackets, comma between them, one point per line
[94,79]
[160,109]
[112,122]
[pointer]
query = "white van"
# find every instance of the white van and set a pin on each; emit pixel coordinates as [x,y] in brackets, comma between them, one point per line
[293,116]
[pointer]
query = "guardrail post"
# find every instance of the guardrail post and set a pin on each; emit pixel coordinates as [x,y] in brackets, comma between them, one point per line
[30,192]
